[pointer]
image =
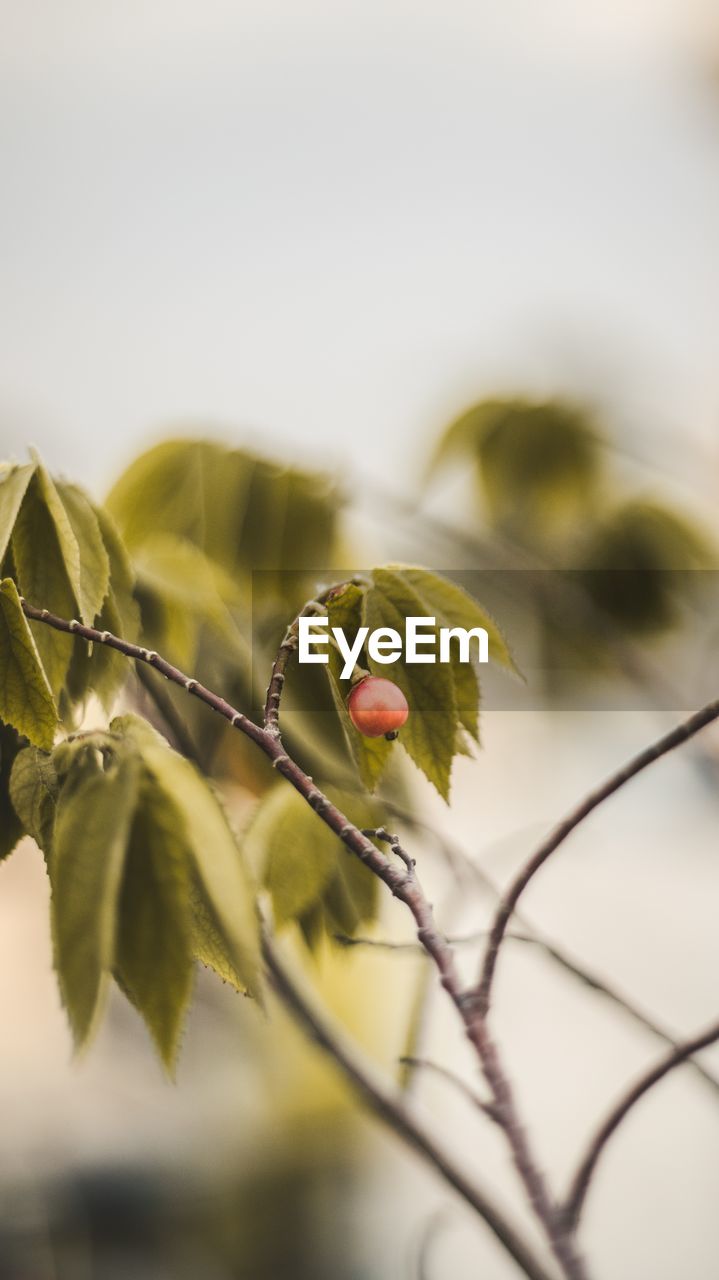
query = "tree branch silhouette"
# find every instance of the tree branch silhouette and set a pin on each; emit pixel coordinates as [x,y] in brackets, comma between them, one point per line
[669,742]
[405,886]
[391,1107]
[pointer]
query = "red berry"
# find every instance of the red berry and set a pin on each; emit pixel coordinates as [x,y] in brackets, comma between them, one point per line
[377,707]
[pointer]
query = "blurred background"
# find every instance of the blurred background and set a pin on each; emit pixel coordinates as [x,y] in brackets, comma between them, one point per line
[323,232]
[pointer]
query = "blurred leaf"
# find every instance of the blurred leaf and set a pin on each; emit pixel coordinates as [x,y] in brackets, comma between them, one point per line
[304,865]
[154,943]
[429,735]
[298,852]
[11,828]
[313,926]
[177,568]
[639,561]
[26,700]
[352,898]
[241,511]
[34,790]
[122,576]
[181,589]
[91,833]
[536,460]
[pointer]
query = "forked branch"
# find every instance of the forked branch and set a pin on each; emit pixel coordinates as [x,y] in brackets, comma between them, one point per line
[471,1004]
[680,734]
[403,884]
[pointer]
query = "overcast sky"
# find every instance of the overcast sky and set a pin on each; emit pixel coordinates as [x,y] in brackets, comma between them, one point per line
[330,225]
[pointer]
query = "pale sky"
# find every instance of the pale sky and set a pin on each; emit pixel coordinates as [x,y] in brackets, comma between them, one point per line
[328,226]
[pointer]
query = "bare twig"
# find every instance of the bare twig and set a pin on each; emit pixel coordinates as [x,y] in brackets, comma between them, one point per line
[564,960]
[681,733]
[380,833]
[420,1259]
[282,659]
[426,1064]
[404,885]
[583,1176]
[277,680]
[392,1109]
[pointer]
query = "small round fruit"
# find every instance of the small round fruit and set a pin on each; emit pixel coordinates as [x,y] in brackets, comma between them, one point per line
[377,707]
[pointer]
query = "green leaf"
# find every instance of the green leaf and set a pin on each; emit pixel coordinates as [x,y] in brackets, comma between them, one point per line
[65,535]
[175,567]
[181,588]
[98,668]
[429,734]
[26,700]
[241,511]
[13,487]
[302,863]
[154,943]
[537,461]
[209,944]
[454,607]
[43,580]
[638,563]
[457,608]
[162,489]
[313,926]
[220,873]
[371,755]
[352,898]
[94,581]
[11,828]
[122,576]
[34,790]
[295,849]
[120,615]
[90,842]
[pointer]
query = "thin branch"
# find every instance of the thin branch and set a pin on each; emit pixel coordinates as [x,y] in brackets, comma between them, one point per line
[271,717]
[680,734]
[404,886]
[419,1263]
[277,680]
[582,1178]
[426,1064]
[391,1108]
[563,960]
[610,992]
[381,833]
